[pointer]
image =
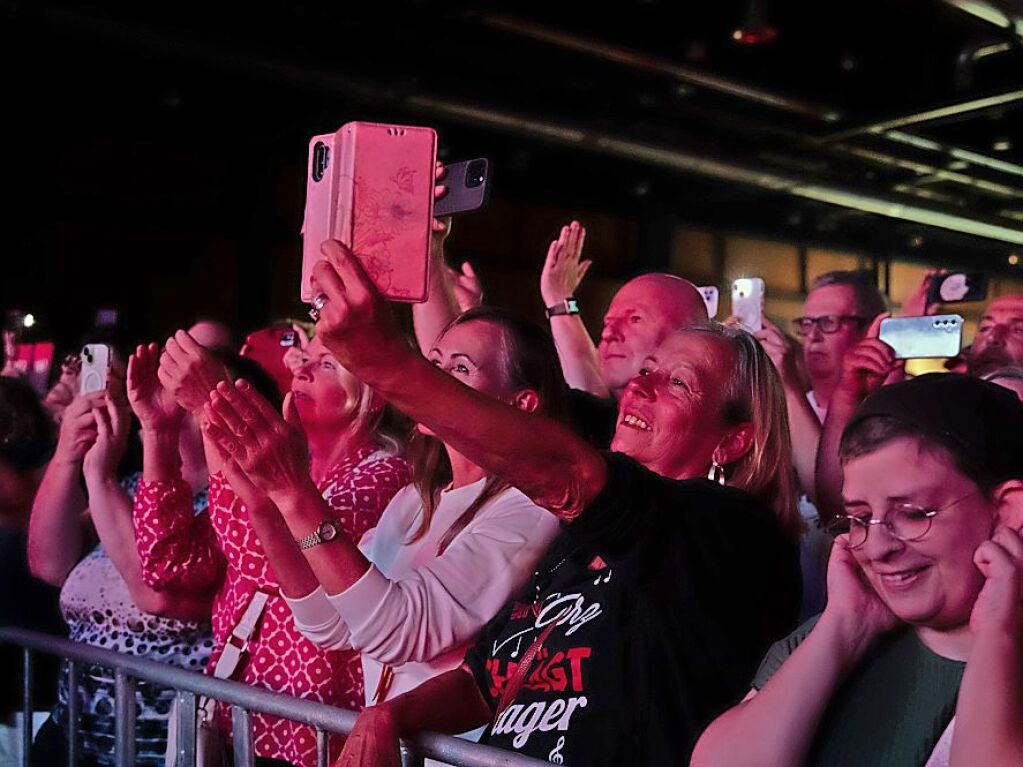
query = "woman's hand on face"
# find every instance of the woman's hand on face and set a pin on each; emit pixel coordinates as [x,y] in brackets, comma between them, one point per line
[113,425]
[78,428]
[356,324]
[562,270]
[373,742]
[270,450]
[852,601]
[189,372]
[999,606]
[152,403]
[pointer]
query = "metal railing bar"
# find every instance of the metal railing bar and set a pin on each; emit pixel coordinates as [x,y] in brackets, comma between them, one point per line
[241,724]
[322,747]
[185,729]
[124,718]
[26,706]
[434,746]
[74,673]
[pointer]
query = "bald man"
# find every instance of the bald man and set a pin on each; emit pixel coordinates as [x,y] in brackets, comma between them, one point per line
[999,339]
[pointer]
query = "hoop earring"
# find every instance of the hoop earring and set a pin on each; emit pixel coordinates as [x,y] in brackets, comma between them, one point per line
[717,473]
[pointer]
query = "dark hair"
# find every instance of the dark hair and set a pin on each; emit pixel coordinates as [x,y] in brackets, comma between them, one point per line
[530,361]
[26,430]
[873,433]
[869,301]
[243,367]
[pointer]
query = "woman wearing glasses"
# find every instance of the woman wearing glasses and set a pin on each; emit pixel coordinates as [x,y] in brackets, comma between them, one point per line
[925,614]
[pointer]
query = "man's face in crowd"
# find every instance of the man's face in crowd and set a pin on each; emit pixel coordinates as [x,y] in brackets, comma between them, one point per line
[642,314]
[823,352]
[999,339]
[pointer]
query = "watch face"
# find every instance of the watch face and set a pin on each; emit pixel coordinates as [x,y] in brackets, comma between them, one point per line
[327,531]
[572,306]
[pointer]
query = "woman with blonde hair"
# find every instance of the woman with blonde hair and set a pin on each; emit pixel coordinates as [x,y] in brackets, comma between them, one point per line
[649,612]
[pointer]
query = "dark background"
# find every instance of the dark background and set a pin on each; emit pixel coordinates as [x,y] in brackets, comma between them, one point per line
[155,153]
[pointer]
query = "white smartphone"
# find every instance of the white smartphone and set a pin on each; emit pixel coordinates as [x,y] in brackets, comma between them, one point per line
[748,302]
[710,299]
[95,368]
[939,336]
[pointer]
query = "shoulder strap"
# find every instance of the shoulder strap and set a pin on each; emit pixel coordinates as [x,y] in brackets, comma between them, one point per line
[519,677]
[238,640]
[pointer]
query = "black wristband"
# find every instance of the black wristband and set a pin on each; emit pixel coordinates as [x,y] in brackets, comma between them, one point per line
[568,306]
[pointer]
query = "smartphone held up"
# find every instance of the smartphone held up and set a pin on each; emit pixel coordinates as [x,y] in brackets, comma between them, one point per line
[936,337]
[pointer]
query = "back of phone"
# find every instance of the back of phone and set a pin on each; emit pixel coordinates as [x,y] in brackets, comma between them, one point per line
[467,187]
[958,287]
[95,367]
[321,189]
[385,204]
[748,302]
[939,336]
[710,299]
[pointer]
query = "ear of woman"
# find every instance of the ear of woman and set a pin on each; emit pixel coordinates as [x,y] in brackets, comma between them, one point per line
[736,443]
[1008,501]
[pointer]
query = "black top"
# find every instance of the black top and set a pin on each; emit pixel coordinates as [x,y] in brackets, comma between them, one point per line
[28,603]
[592,418]
[668,595]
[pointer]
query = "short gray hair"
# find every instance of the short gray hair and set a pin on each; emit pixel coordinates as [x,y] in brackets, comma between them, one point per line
[869,300]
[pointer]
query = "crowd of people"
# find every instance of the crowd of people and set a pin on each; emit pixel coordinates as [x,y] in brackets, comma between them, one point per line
[686,543]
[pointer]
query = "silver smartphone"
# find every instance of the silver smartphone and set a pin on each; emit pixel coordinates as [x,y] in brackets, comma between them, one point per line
[748,302]
[939,336]
[95,368]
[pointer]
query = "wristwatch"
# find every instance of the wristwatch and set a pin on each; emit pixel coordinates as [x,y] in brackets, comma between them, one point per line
[568,306]
[326,532]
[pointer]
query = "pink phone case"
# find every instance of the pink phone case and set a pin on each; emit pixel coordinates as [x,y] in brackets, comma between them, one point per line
[383,179]
[320,203]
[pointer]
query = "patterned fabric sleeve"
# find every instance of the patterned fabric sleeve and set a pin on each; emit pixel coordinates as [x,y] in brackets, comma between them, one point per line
[359,496]
[177,547]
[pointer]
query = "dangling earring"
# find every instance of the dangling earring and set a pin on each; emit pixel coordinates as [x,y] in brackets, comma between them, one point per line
[716,473]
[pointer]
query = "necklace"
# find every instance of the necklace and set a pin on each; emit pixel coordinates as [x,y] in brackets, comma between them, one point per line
[548,574]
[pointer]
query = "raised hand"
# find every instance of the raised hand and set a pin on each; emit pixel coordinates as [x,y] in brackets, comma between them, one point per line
[563,271]
[270,450]
[867,365]
[78,428]
[373,742]
[189,372]
[63,392]
[852,602]
[356,324]
[999,606]
[466,285]
[916,304]
[785,352]
[152,403]
[113,425]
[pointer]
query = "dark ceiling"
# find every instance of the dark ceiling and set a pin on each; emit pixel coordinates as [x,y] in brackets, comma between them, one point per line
[892,126]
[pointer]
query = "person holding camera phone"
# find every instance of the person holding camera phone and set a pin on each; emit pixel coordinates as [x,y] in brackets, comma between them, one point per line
[449,549]
[924,619]
[104,599]
[660,581]
[352,464]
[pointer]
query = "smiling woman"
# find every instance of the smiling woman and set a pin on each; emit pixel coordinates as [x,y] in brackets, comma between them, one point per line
[649,610]
[925,611]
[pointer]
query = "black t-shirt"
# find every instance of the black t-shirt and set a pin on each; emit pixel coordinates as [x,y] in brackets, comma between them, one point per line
[28,603]
[592,418]
[666,595]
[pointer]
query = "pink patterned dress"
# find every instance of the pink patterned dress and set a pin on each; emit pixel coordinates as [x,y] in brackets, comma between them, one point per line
[178,548]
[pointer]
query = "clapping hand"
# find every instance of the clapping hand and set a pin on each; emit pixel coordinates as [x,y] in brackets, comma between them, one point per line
[153,404]
[189,372]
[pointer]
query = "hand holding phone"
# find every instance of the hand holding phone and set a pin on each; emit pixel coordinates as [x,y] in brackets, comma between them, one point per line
[938,336]
[467,187]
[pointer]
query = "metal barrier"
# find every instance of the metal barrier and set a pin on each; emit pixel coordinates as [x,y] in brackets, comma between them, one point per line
[243,699]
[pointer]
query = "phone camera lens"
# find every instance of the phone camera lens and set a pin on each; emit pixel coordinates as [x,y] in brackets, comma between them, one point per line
[475,173]
[321,159]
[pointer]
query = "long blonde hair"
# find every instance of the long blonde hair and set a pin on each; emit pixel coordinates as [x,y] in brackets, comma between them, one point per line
[755,395]
[528,361]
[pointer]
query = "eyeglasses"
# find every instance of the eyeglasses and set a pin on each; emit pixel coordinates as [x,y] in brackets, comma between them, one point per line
[905,521]
[829,323]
